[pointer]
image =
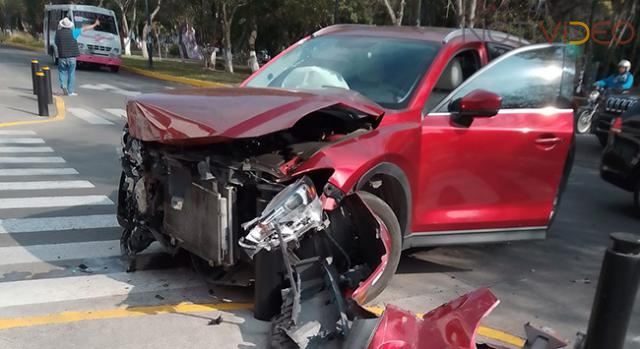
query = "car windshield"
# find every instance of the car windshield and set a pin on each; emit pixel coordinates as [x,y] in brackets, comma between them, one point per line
[107,22]
[386,70]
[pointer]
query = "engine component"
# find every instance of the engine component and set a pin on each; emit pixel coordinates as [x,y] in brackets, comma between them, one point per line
[203,223]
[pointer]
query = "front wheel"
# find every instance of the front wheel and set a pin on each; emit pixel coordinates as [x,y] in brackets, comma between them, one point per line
[583,124]
[114,68]
[385,216]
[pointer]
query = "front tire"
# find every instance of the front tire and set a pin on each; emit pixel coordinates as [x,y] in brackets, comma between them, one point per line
[114,68]
[584,121]
[385,214]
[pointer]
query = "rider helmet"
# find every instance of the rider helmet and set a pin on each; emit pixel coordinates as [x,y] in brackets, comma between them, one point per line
[625,64]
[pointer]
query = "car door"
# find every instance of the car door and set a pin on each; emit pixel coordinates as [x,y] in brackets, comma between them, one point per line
[500,173]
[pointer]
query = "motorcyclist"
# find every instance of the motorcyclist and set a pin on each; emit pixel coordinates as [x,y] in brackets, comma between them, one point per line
[621,81]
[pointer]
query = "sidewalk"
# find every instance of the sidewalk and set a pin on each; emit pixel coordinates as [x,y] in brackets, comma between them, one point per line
[17,101]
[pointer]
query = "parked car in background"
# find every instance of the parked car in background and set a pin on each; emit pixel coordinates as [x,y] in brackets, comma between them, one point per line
[354,143]
[621,157]
[615,104]
[100,46]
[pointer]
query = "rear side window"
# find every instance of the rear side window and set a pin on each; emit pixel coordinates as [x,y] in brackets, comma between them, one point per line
[497,50]
[535,77]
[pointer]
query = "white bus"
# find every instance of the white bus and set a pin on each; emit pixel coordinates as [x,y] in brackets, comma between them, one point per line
[98,46]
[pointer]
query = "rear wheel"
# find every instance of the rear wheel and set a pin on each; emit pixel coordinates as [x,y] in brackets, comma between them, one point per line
[636,197]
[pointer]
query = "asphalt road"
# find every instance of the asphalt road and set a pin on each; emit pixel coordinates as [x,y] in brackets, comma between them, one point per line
[59,241]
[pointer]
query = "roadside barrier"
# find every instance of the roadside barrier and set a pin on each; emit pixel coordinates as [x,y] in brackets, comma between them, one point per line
[615,295]
[47,77]
[43,103]
[35,67]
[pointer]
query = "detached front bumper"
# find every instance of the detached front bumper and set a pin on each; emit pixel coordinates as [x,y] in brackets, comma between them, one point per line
[111,61]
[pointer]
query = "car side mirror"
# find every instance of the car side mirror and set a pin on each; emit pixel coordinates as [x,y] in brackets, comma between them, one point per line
[476,104]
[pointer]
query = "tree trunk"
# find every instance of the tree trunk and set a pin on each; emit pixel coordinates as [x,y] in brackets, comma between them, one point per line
[156,33]
[460,14]
[418,13]
[472,13]
[226,28]
[253,58]
[396,17]
[146,31]
[145,37]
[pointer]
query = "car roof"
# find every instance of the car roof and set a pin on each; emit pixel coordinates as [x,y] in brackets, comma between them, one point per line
[433,34]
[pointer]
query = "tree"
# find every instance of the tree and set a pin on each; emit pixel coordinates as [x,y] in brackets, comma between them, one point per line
[146,30]
[228,11]
[125,6]
[396,17]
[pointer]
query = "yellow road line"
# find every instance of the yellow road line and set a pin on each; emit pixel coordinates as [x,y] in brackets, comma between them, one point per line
[60,113]
[76,316]
[484,331]
[172,78]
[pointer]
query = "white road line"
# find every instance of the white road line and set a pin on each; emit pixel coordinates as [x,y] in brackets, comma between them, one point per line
[31,159]
[32,225]
[26,150]
[41,291]
[54,201]
[44,185]
[61,252]
[17,133]
[89,116]
[37,171]
[121,113]
[9,140]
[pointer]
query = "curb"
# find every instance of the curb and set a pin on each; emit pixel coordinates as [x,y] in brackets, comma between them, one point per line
[60,114]
[172,78]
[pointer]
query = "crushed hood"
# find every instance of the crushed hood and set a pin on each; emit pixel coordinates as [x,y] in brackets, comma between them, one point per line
[201,116]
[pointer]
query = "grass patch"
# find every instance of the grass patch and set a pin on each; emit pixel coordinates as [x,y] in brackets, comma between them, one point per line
[187,70]
[24,39]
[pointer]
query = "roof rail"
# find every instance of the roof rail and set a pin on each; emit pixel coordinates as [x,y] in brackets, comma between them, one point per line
[483,35]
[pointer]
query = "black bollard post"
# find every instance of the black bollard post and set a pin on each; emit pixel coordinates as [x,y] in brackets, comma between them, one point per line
[35,67]
[47,78]
[617,287]
[43,105]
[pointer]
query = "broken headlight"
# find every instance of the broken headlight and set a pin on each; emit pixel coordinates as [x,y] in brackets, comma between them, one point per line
[291,213]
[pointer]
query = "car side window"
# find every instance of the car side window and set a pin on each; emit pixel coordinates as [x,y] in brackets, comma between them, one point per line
[459,69]
[496,50]
[531,78]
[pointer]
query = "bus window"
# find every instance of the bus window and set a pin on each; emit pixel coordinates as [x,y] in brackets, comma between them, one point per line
[107,23]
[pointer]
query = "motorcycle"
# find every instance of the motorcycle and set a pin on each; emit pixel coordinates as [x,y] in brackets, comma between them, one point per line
[585,114]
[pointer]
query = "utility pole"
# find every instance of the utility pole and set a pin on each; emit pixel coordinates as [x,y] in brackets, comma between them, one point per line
[149,37]
[335,12]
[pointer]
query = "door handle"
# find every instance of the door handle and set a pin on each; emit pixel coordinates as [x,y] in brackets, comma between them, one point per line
[548,141]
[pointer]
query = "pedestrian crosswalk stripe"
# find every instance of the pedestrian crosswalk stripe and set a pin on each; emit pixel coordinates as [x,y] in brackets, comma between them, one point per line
[17,133]
[54,201]
[22,140]
[26,150]
[31,159]
[44,185]
[89,116]
[50,253]
[73,288]
[37,171]
[117,112]
[32,225]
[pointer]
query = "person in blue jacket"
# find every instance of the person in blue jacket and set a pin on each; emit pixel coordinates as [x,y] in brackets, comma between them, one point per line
[621,81]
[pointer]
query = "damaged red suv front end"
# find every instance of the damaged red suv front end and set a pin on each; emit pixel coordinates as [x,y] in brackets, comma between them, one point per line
[348,147]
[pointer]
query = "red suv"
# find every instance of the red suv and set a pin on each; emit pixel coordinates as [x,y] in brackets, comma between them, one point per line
[356,142]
